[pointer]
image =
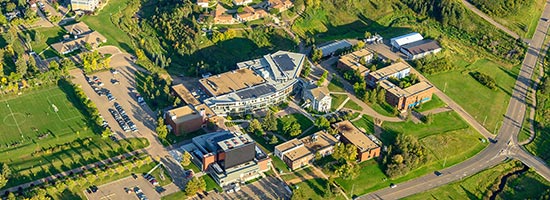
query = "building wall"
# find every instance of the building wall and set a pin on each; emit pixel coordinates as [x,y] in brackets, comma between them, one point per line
[404,103]
[207,160]
[324,104]
[293,165]
[186,126]
[85,5]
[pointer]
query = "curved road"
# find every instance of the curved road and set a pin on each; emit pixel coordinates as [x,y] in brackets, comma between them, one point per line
[506,142]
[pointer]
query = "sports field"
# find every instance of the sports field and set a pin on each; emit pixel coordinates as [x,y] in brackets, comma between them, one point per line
[47,120]
[26,117]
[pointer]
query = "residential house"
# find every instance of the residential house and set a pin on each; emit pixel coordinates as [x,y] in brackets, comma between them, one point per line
[356,61]
[280,5]
[420,49]
[203,3]
[242,2]
[397,42]
[317,98]
[397,70]
[368,146]
[250,14]
[297,153]
[221,17]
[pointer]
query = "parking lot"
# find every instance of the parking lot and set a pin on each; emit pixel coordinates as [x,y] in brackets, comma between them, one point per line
[118,190]
[265,188]
[121,86]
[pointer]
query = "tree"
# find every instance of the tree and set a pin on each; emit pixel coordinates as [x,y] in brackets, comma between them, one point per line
[254,126]
[322,122]
[359,45]
[185,159]
[274,140]
[368,34]
[21,66]
[317,54]
[428,119]
[270,122]
[195,185]
[162,129]
[54,65]
[294,129]
[106,133]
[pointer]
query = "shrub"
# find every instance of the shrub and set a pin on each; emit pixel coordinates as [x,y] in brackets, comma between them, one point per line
[484,79]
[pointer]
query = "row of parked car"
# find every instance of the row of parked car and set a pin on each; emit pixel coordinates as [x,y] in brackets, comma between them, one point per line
[140,194]
[151,179]
[122,118]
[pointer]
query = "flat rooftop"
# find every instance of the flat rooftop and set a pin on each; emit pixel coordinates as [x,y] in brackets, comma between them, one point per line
[407,92]
[319,140]
[184,94]
[298,148]
[231,81]
[352,60]
[355,136]
[183,113]
[335,46]
[389,70]
[421,46]
[234,142]
[288,145]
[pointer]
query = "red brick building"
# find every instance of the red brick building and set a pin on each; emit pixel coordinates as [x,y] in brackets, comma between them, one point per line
[368,146]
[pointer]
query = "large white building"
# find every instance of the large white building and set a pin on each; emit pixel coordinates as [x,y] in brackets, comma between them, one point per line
[254,85]
[84,5]
[397,42]
[317,98]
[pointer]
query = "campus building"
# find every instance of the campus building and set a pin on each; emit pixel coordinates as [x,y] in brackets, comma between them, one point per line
[230,157]
[398,42]
[254,85]
[203,3]
[85,5]
[356,61]
[93,39]
[397,70]
[317,98]
[297,153]
[250,14]
[280,5]
[420,49]
[368,146]
[335,47]
[406,98]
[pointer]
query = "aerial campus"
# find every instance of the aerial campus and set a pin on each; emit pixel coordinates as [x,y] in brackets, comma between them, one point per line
[274,99]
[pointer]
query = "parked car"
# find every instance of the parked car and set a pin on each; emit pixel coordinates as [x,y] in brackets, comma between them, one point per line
[115,82]
[392,185]
[438,173]
[114,71]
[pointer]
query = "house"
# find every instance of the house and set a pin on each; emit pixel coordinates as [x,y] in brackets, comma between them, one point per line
[78,29]
[397,42]
[203,3]
[297,153]
[229,157]
[318,99]
[397,70]
[420,49]
[335,47]
[356,61]
[280,5]
[85,5]
[250,14]
[221,17]
[93,39]
[368,146]
[242,2]
[184,120]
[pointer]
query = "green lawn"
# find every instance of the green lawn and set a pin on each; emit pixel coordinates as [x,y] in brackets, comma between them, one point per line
[526,186]
[442,122]
[337,100]
[31,115]
[475,98]
[446,149]
[304,122]
[315,189]
[352,105]
[335,85]
[301,172]
[383,109]
[279,164]
[179,195]
[436,102]
[43,37]
[211,184]
[366,123]
[103,24]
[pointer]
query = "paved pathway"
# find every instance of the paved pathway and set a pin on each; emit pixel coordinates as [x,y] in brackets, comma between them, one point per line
[489,19]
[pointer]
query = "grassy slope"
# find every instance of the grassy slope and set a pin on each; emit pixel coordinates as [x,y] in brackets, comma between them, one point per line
[49,36]
[442,122]
[315,189]
[475,98]
[103,24]
[337,100]
[352,105]
[304,122]
[436,102]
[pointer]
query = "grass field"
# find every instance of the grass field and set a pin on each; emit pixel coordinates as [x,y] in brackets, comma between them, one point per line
[448,138]
[337,100]
[315,189]
[157,174]
[525,186]
[103,24]
[47,36]
[304,122]
[352,105]
[432,104]
[383,109]
[32,114]
[335,85]
[475,98]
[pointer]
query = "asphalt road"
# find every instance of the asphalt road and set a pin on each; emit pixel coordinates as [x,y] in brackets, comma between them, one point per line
[506,145]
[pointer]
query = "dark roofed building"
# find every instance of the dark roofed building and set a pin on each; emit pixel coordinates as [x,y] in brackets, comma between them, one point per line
[420,49]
